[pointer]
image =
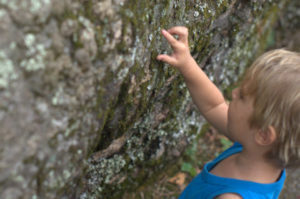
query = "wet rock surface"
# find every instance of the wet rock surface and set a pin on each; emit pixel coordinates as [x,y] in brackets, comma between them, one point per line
[85,109]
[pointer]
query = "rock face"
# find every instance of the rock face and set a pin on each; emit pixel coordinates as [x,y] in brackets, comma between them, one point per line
[85,109]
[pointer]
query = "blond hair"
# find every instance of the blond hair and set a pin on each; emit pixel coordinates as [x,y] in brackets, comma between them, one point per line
[273,80]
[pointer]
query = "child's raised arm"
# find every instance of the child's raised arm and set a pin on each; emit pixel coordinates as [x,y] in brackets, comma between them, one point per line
[205,94]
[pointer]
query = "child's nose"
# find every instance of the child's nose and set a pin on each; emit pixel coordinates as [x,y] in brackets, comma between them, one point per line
[234,93]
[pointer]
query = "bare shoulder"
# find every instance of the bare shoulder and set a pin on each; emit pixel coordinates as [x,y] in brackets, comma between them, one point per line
[229,196]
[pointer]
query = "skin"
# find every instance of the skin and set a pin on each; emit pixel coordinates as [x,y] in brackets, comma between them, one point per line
[231,120]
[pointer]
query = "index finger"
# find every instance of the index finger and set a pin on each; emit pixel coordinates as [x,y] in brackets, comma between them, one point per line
[181,31]
[169,37]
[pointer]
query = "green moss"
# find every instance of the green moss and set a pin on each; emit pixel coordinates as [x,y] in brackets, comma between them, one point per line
[88,10]
[67,14]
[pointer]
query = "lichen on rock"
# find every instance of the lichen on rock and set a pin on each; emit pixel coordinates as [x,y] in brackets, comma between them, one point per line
[86,111]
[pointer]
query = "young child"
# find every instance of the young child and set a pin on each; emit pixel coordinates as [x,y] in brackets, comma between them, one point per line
[263,120]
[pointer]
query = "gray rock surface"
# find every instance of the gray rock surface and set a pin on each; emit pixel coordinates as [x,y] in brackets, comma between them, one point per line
[85,109]
[288,36]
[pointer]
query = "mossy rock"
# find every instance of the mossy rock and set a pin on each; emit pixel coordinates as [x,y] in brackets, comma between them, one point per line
[86,111]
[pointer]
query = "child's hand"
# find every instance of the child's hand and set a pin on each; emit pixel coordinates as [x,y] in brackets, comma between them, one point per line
[181,53]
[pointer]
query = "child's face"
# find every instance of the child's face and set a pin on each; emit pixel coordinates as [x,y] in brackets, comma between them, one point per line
[239,113]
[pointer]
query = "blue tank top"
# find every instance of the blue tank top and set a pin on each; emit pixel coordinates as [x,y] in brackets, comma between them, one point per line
[208,186]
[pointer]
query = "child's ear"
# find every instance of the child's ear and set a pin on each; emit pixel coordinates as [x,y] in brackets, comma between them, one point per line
[266,137]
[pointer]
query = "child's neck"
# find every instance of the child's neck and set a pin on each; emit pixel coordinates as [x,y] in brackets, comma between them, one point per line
[256,167]
[247,166]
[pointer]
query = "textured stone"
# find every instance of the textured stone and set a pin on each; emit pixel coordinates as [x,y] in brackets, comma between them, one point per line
[79,78]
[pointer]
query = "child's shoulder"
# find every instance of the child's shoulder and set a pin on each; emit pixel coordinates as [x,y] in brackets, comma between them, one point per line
[226,168]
